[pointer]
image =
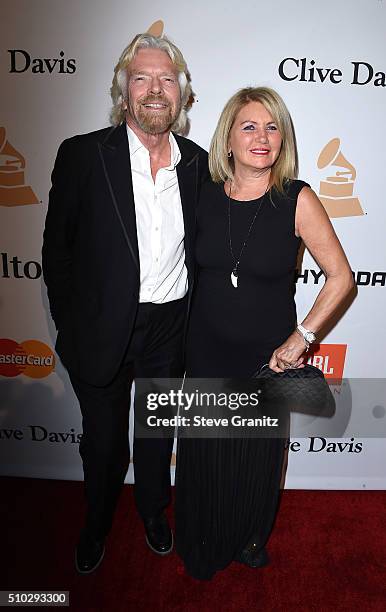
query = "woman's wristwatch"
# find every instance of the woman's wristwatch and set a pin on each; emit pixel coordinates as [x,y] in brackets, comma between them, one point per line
[307,335]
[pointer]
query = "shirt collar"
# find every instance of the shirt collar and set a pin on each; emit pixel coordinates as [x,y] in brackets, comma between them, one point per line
[135,145]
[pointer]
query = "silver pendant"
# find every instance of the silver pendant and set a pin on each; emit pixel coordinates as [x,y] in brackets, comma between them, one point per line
[234,279]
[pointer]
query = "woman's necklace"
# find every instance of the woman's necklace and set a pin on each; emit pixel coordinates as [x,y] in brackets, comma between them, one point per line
[236,261]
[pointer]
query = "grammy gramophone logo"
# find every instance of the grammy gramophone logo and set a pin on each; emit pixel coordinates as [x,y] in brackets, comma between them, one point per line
[156,28]
[337,191]
[13,190]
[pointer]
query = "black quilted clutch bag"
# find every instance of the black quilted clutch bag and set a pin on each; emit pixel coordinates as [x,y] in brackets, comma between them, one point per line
[300,390]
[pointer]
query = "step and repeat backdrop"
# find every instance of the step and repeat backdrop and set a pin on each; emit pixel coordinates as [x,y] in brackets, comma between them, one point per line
[328,62]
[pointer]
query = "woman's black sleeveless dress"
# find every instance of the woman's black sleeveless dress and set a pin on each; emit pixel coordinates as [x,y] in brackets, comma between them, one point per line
[227,489]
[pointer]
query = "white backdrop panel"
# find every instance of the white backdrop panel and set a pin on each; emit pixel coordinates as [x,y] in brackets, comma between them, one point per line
[227,46]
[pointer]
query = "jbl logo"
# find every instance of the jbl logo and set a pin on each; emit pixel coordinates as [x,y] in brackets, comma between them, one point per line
[330,359]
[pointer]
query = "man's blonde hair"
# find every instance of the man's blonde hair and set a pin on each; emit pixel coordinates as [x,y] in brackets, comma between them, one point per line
[119,91]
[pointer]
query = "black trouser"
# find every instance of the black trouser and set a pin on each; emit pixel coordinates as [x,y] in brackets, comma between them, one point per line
[155,351]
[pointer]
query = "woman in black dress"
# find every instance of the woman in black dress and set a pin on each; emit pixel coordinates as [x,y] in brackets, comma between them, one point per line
[250,223]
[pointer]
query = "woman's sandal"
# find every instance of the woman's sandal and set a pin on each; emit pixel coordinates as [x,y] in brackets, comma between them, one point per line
[253,557]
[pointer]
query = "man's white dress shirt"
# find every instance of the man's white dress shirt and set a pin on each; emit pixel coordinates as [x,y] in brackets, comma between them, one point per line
[160,225]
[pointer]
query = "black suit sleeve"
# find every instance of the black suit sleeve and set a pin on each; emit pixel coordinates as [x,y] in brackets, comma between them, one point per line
[59,232]
[204,174]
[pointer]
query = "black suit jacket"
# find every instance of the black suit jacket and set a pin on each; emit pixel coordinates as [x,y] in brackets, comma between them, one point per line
[90,250]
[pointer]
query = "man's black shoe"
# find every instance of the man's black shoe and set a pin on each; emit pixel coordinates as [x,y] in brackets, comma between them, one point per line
[159,536]
[88,554]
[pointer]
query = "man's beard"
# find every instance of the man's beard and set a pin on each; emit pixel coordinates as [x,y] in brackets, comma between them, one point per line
[154,122]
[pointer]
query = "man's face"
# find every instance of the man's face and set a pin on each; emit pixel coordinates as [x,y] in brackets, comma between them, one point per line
[154,99]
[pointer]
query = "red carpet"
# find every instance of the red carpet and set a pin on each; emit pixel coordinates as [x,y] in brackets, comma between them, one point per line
[328,552]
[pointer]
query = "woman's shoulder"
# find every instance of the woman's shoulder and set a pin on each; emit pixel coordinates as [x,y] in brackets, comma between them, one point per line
[211,190]
[293,187]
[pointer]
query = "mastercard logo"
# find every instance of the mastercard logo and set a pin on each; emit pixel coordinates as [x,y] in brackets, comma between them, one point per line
[31,358]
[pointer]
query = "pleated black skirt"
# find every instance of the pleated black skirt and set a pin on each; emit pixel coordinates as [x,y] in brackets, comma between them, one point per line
[226,493]
[227,489]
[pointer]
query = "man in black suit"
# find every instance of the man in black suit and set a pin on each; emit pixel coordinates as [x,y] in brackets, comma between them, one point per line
[118,264]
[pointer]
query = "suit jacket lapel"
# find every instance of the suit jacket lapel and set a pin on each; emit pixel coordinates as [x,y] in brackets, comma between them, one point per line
[115,157]
[187,173]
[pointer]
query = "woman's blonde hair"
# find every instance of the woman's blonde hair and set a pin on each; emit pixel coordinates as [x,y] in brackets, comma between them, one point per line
[285,167]
[119,90]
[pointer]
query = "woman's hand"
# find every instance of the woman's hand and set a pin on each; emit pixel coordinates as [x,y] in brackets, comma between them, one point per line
[289,354]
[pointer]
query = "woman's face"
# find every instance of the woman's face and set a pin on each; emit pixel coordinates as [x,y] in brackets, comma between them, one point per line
[254,139]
